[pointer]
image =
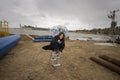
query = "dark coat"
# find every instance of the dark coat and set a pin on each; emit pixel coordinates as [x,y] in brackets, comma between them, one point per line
[54,45]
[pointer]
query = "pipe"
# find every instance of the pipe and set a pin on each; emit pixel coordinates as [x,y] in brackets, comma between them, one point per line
[106,64]
[6,43]
[110,59]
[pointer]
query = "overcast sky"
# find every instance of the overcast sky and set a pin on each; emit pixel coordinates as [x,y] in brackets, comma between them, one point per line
[74,14]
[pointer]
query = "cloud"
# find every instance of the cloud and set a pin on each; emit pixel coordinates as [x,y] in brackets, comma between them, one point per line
[75,14]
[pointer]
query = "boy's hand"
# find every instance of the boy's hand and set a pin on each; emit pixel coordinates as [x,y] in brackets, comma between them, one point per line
[59,41]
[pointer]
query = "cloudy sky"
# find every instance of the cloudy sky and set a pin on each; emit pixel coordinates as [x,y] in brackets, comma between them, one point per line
[74,14]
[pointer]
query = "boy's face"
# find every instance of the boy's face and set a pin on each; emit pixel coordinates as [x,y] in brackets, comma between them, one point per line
[61,36]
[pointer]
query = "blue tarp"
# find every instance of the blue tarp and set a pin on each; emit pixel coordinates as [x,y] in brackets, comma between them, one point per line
[6,43]
[43,39]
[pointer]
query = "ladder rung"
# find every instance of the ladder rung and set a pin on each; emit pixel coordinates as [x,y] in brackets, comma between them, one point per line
[53,59]
[55,65]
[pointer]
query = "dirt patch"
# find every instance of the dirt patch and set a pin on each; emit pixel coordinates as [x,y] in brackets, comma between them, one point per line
[28,61]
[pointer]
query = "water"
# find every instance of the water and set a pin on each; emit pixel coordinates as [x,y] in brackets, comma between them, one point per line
[72,35]
[79,36]
[30,32]
[105,44]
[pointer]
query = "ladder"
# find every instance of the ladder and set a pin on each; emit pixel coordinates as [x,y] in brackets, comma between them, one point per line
[56,59]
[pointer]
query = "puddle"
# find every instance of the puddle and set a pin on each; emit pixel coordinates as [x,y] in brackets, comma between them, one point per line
[105,44]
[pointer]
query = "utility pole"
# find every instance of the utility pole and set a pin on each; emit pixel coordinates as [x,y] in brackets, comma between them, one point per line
[112,16]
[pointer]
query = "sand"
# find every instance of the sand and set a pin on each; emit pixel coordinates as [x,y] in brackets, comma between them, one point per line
[28,61]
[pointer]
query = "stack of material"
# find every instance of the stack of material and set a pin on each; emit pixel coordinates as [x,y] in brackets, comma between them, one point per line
[43,39]
[6,43]
[118,40]
[108,62]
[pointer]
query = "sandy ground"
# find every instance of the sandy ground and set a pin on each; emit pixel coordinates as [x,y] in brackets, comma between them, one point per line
[28,61]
